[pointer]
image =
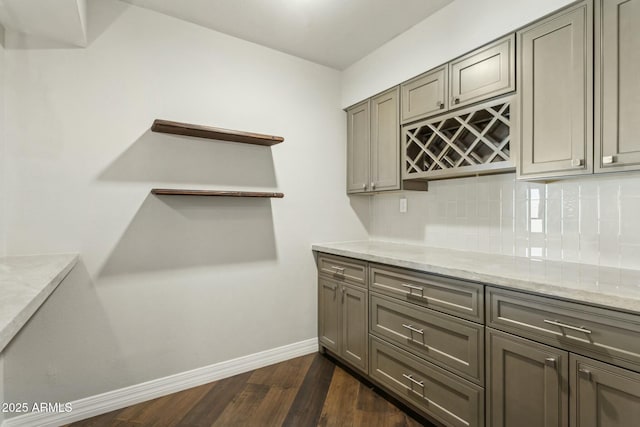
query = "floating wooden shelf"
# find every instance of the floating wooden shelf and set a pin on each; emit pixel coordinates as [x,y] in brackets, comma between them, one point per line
[216,193]
[186,129]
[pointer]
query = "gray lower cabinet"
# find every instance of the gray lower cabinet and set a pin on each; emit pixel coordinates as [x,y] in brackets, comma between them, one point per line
[426,387]
[538,362]
[452,343]
[342,321]
[617,95]
[527,383]
[373,144]
[555,73]
[603,395]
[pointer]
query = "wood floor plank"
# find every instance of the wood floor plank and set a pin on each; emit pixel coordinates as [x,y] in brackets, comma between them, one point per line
[286,374]
[307,406]
[241,411]
[209,408]
[338,410]
[303,392]
[166,411]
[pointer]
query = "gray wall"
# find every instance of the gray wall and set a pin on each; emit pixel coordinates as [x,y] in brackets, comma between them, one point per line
[165,284]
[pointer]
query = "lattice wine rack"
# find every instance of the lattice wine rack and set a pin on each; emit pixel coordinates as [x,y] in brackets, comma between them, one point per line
[469,141]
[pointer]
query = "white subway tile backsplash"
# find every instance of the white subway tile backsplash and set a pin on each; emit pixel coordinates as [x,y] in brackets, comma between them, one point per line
[591,220]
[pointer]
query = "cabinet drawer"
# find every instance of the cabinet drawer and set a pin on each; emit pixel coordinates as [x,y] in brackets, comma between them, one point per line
[454,344]
[603,334]
[452,296]
[484,73]
[343,269]
[434,391]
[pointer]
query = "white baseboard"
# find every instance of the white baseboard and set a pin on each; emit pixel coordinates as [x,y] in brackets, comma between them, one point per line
[117,399]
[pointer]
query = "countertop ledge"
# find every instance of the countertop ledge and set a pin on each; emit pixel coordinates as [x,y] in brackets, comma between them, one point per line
[590,284]
[25,284]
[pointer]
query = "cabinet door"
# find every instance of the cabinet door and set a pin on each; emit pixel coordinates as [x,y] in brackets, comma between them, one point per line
[484,73]
[425,95]
[358,128]
[617,89]
[555,74]
[385,141]
[526,383]
[603,395]
[354,326]
[328,314]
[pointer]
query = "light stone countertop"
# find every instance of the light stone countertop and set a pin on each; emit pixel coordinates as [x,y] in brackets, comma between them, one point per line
[603,286]
[25,284]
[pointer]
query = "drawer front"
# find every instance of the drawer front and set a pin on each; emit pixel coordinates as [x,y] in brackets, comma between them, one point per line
[343,269]
[454,344]
[430,389]
[603,334]
[448,295]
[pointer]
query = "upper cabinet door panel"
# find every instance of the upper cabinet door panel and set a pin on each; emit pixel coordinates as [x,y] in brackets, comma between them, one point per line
[385,141]
[358,148]
[617,88]
[555,75]
[424,95]
[483,73]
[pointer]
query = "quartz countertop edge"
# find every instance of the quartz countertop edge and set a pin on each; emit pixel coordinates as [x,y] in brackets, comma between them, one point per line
[584,283]
[25,284]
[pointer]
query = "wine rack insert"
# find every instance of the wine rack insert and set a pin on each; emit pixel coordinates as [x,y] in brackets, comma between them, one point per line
[465,142]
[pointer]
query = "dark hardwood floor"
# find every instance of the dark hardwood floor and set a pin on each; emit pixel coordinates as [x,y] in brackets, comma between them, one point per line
[306,391]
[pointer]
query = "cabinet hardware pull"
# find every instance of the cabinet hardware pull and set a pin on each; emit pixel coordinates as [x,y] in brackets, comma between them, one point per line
[551,362]
[564,325]
[456,100]
[338,269]
[414,288]
[440,104]
[373,185]
[410,378]
[364,186]
[607,160]
[411,328]
[576,163]
[584,373]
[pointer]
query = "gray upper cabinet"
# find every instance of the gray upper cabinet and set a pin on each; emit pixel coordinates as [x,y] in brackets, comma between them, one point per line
[425,95]
[527,383]
[603,395]
[385,149]
[358,128]
[555,71]
[373,144]
[617,102]
[483,73]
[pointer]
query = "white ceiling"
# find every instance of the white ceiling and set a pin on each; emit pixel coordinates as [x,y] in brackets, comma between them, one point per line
[335,33]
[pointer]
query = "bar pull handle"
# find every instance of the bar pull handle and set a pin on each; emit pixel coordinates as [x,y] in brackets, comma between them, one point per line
[414,288]
[412,329]
[414,381]
[564,325]
[551,362]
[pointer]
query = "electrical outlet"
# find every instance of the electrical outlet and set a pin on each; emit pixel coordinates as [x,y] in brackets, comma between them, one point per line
[403,205]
